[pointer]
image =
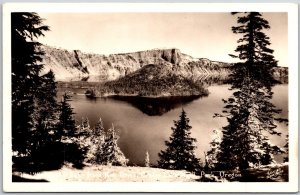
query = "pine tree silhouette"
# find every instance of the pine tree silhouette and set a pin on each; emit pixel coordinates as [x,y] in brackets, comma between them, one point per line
[249,111]
[46,112]
[25,59]
[180,151]
[36,137]
[46,150]
[67,125]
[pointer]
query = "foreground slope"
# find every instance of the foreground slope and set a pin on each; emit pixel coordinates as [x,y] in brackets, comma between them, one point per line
[101,173]
[112,174]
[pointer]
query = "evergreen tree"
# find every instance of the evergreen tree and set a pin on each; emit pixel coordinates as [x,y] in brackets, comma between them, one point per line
[75,147]
[25,29]
[96,141]
[85,126]
[47,140]
[249,111]
[36,130]
[46,112]
[112,154]
[180,151]
[99,128]
[147,160]
[211,155]
[67,125]
[257,58]
[34,107]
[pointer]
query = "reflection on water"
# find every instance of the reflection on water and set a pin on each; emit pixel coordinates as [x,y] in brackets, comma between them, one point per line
[156,106]
[141,132]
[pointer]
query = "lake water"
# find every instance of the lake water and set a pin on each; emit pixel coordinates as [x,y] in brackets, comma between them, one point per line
[144,124]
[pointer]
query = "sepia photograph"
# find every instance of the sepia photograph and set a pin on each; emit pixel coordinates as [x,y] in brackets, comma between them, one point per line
[144,97]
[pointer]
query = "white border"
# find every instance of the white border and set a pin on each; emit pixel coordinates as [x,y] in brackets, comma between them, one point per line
[291,186]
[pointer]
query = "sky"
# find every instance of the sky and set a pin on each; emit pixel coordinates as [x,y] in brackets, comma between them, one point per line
[201,35]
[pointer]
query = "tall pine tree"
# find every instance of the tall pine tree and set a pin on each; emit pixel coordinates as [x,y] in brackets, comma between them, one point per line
[75,148]
[180,151]
[46,112]
[26,66]
[249,112]
[36,129]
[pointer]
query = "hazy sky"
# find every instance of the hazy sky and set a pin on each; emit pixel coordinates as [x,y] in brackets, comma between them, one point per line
[201,35]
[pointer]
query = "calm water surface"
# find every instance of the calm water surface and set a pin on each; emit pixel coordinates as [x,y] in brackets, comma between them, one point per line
[144,124]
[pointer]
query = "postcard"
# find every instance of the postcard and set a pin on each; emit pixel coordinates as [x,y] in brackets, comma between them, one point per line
[150,97]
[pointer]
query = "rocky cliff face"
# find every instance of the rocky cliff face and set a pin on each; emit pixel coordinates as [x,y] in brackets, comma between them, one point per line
[76,65]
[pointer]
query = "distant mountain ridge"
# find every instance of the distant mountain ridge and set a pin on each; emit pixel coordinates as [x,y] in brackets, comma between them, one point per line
[76,65]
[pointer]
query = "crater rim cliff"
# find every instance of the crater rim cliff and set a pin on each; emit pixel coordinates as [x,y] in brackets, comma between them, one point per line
[74,65]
